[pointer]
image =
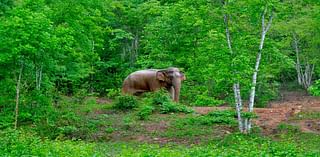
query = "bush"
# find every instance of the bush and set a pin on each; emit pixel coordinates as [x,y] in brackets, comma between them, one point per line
[315,88]
[266,91]
[145,111]
[126,102]
[113,93]
[159,97]
[161,101]
[70,120]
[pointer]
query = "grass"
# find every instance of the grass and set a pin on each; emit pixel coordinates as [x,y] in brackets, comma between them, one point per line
[100,130]
[26,143]
[306,115]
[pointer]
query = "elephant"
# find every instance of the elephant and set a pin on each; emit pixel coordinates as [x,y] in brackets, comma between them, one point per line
[151,80]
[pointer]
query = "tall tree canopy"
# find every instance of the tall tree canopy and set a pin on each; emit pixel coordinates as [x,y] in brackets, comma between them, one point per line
[76,47]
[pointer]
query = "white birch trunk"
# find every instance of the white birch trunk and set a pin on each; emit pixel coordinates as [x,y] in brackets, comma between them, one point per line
[298,66]
[17,97]
[256,69]
[311,73]
[236,86]
[238,101]
[304,74]
[38,77]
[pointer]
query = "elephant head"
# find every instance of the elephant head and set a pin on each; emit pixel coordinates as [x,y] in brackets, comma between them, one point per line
[172,78]
[154,79]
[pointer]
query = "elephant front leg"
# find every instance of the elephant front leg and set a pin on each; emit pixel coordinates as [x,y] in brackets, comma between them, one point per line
[171,91]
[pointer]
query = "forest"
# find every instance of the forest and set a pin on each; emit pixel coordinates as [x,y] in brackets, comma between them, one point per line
[251,67]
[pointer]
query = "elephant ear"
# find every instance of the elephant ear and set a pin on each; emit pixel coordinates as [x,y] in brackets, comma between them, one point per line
[161,75]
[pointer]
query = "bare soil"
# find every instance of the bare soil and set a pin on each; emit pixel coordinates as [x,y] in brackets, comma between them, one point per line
[290,104]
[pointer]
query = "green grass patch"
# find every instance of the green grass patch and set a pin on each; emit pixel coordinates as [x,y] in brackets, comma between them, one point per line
[23,143]
[306,115]
[195,126]
[214,117]
[231,145]
[204,100]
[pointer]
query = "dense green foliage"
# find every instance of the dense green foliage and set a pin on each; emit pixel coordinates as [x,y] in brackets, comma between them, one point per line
[57,56]
[80,48]
[315,88]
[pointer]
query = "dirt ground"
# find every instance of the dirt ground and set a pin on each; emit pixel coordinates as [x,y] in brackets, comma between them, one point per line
[294,108]
[290,104]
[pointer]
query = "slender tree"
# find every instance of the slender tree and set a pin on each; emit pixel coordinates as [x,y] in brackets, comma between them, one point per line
[18,96]
[264,30]
[236,85]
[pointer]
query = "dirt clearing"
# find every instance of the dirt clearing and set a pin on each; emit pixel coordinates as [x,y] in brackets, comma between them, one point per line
[281,111]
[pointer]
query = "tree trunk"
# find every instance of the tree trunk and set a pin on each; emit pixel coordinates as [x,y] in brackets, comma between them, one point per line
[38,77]
[256,69]
[298,66]
[17,97]
[236,86]
[238,101]
[304,74]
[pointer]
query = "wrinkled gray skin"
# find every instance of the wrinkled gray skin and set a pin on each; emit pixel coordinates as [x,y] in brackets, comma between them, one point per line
[151,80]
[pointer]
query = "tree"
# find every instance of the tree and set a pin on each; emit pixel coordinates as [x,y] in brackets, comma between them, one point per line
[244,122]
[25,46]
[236,84]
[299,25]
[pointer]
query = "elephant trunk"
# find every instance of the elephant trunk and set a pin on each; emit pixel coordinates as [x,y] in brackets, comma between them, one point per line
[177,86]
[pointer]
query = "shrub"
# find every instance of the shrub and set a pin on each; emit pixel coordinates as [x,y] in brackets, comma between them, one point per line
[126,102]
[162,101]
[145,111]
[315,88]
[113,93]
[159,97]
[67,130]
[266,91]
[70,120]
[167,107]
